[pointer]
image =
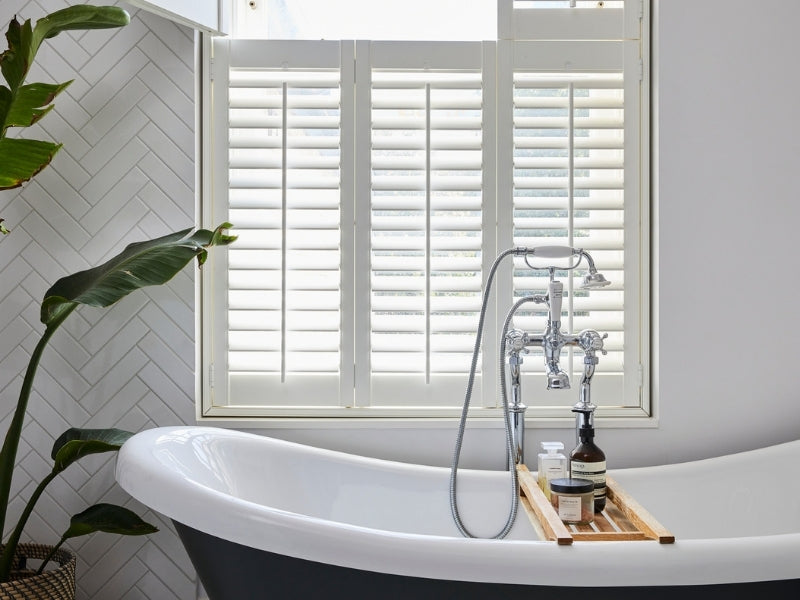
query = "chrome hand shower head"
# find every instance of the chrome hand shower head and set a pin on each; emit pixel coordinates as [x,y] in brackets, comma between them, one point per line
[594,280]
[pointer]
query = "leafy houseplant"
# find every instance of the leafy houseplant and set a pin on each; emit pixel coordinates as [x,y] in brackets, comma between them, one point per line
[141,264]
[23,104]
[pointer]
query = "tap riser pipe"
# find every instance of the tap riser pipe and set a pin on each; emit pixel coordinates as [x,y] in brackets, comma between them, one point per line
[516,413]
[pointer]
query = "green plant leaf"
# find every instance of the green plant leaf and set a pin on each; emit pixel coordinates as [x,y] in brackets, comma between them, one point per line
[6,98]
[141,264]
[109,518]
[76,443]
[15,62]
[26,107]
[81,16]
[22,159]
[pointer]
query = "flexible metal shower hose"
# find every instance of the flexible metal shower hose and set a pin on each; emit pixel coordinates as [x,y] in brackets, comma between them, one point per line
[463,420]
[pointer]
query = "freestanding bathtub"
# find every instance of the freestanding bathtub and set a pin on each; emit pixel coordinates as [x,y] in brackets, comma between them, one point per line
[265,518]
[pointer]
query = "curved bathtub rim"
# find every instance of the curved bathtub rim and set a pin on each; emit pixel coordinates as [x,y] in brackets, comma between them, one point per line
[441,557]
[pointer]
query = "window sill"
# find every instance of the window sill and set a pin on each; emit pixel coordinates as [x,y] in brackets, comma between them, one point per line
[228,418]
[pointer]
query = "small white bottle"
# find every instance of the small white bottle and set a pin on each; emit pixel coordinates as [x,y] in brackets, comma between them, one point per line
[552,465]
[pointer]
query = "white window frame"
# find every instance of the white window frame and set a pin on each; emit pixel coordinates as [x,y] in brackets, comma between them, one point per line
[209,16]
[500,60]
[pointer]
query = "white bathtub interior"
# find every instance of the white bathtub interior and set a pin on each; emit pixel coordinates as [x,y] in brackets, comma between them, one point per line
[358,491]
[392,517]
[754,493]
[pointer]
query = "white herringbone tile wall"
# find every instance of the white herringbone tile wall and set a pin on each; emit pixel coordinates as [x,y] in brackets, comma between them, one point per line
[126,173]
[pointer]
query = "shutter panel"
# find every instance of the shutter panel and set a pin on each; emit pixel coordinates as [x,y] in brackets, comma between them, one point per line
[426,214]
[569,190]
[575,103]
[284,273]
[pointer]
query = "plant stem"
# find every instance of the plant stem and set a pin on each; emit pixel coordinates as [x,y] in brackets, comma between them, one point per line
[8,455]
[11,545]
[49,557]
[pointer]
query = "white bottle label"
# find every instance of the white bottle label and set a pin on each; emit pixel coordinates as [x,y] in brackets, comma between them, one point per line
[569,508]
[554,468]
[594,472]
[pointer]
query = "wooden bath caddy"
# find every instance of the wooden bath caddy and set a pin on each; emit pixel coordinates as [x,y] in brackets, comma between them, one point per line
[623,519]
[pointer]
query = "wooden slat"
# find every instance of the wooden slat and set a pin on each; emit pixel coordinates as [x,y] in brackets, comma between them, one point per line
[602,522]
[609,536]
[637,514]
[534,520]
[553,527]
[618,517]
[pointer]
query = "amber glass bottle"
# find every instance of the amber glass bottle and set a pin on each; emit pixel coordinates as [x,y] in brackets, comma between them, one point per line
[587,461]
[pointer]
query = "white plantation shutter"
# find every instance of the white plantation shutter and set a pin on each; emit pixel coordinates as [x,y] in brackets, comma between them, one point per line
[426,218]
[572,169]
[569,180]
[284,180]
[287,272]
[372,184]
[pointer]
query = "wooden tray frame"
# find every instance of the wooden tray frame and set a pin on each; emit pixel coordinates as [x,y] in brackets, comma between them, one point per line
[623,518]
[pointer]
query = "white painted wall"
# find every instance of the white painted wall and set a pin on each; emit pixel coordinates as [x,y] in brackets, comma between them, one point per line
[728,146]
[727,157]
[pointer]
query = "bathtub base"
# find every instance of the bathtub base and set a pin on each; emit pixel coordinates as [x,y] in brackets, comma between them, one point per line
[230,571]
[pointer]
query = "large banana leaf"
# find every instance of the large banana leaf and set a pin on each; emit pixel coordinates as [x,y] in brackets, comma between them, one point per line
[81,16]
[109,518]
[24,40]
[141,264]
[76,443]
[32,102]
[23,105]
[22,159]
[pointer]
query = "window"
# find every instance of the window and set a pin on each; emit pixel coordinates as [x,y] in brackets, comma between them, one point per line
[372,184]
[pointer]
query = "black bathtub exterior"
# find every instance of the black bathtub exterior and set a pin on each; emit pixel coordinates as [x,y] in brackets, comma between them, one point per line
[230,571]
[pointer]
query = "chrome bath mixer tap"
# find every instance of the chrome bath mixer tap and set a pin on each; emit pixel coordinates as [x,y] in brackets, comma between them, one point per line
[515,343]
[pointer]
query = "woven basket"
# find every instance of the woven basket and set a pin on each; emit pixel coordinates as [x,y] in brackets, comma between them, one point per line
[55,584]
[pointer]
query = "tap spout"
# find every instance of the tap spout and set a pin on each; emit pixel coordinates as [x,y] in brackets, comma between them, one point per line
[591,342]
[552,343]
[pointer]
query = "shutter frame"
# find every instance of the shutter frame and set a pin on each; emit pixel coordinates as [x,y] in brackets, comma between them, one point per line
[355,373]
